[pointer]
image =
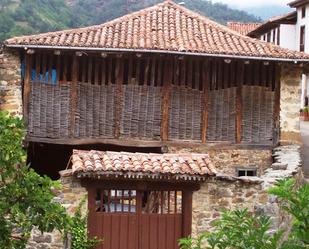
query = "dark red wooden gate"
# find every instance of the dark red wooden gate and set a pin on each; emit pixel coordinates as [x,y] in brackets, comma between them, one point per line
[138,219]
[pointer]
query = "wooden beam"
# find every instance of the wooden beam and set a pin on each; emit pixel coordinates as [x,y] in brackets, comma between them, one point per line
[119,95]
[73,94]
[147,144]
[186,212]
[206,83]
[26,94]
[167,85]
[240,82]
[276,140]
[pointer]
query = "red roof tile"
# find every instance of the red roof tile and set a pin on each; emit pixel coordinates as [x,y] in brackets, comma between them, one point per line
[242,28]
[164,27]
[140,165]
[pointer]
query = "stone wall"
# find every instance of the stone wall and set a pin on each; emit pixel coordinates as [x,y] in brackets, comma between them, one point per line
[70,197]
[226,160]
[229,193]
[10,82]
[290,97]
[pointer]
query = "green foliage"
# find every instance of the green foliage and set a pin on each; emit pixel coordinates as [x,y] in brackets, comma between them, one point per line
[295,201]
[26,199]
[37,16]
[77,230]
[237,229]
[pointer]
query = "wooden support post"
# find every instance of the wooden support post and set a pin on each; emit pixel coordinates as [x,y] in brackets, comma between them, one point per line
[26,97]
[167,85]
[206,83]
[186,213]
[239,102]
[119,95]
[73,94]
[276,138]
[37,66]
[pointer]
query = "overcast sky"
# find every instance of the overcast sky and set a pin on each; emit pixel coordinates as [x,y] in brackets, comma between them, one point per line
[253,3]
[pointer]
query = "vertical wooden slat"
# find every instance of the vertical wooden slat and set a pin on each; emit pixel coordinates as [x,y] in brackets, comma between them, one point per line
[183,73]
[103,71]
[73,94]
[90,62]
[96,71]
[28,63]
[84,69]
[138,70]
[146,71]
[91,208]
[277,103]
[37,66]
[130,71]
[58,70]
[65,68]
[239,102]
[153,71]
[205,79]
[166,99]
[189,82]
[50,67]
[186,213]
[44,59]
[119,95]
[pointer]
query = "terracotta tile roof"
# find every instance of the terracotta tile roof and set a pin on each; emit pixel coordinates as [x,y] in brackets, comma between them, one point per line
[164,27]
[141,165]
[242,28]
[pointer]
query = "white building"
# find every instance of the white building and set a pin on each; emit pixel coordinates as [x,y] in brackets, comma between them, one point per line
[289,31]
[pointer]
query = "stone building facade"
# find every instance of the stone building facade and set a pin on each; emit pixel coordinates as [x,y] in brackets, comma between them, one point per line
[10,81]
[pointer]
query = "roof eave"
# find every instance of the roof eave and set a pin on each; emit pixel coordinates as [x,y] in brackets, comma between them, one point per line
[94,49]
[297,3]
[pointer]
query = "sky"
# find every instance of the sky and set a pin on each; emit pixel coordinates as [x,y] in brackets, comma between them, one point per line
[253,3]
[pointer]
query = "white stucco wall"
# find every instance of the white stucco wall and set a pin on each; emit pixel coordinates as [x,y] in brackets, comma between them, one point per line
[288,36]
[302,21]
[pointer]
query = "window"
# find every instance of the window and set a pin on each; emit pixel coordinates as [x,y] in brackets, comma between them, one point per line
[278,36]
[246,172]
[302,39]
[268,36]
[303,12]
[274,36]
[264,37]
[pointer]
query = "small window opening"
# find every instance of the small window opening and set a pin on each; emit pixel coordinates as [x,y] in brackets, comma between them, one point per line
[303,12]
[246,172]
[302,39]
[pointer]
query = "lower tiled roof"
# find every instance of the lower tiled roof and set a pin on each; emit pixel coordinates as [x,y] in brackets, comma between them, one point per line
[96,164]
[242,28]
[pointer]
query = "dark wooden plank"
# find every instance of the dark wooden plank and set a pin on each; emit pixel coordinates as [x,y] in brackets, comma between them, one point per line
[162,231]
[50,67]
[84,69]
[189,82]
[153,231]
[146,71]
[119,95]
[206,83]
[186,213]
[133,233]
[37,66]
[107,231]
[166,99]
[103,71]
[96,71]
[170,228]
[90,62]
[177,229]
[28,63]
[65,68]
[58,68]
[145,234]
[130,70]
[73,94]
[116,236]
[239,102]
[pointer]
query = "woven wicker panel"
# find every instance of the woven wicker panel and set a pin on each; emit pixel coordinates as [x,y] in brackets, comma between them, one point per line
[49,110]
[258,114]
[222,115]
[185,114]
[95,115]
[141,115]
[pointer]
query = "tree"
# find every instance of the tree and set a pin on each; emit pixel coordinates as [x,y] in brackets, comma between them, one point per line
[26,199]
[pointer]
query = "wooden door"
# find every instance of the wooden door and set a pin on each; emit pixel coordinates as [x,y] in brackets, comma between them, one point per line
[136,219]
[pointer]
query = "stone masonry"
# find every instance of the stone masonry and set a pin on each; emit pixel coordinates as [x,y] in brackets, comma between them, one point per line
[290,95]
[10,82]
[224,192]
[227,160]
